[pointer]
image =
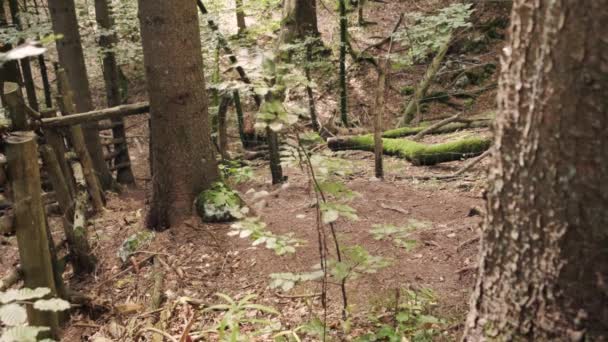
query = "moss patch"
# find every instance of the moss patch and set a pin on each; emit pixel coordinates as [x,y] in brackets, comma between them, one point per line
[219,204]
[423,154]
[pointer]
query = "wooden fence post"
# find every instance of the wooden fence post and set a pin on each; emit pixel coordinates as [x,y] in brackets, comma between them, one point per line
[76,234]
[32,231]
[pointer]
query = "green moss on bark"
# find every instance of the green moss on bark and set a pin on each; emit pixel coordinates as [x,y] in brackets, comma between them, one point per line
[417,153]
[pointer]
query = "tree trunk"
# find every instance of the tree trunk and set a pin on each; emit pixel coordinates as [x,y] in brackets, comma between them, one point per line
[26,67]
[240,16]
[110,76]
[342,62]
[544,261]
[299,20]
[182,153]
[71,58]
[9,70]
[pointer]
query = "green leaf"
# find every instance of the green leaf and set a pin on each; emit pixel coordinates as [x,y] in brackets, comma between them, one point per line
[53,304]
[22,334]
[13,314]
[330,215]
[23,294]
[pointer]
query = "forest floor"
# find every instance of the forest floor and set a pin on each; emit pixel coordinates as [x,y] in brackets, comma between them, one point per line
[200,259]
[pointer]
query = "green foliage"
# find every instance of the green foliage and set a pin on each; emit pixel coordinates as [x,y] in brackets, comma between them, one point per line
[287,281]
[219,204]
[256,230]
[134,242]
[356,261]
[13,315]
[330,212]
[414,319]
[234,172]
[428,33]
[237,314]
[398,235]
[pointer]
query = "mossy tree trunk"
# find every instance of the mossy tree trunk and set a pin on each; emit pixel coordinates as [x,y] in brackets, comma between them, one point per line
[182,157]
[107,42]
[71,58]
[544,261]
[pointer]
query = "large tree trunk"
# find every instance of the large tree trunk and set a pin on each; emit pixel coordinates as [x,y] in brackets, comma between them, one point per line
[110,75]
[544,258]
[182,154]
[71,58]
[299,20]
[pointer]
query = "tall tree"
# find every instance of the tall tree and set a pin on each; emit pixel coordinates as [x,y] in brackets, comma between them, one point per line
[182,154]
[71,58]
[299,20]
[544,261]
[342,61]
[107,41]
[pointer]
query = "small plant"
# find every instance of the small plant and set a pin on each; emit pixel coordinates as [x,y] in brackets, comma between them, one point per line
[14,316]
[238,313]
[413,319]
[356,261]
[254,229]
[234,172]
[398,235]
[287,281]
[134,242]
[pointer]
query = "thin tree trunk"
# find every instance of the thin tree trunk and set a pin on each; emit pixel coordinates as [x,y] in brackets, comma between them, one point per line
[544,261]
[9,70]
[239,117]
[71,58]
[182,153]
[311,99]
[26,67]
[110,75]
[413,107]
[240,16]
[342,62]
[48,98]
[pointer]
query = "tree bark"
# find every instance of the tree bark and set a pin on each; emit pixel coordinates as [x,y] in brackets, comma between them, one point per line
[240,16]
[299,20]
[183,159]
[544,262]
[342,73]
[71,58]
[110,76]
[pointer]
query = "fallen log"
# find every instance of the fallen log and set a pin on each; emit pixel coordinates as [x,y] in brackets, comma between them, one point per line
[416,153]
[448,128]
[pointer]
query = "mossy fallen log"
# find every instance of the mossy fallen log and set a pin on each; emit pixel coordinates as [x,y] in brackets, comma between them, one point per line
[452,127]
[416,153]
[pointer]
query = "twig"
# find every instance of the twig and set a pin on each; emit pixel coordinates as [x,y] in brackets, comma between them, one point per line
[308,295]
[399,210]
[466,243]
[154,330]
[464,169]
[122,272]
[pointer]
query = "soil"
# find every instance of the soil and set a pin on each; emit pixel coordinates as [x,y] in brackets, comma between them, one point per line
[200,259]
